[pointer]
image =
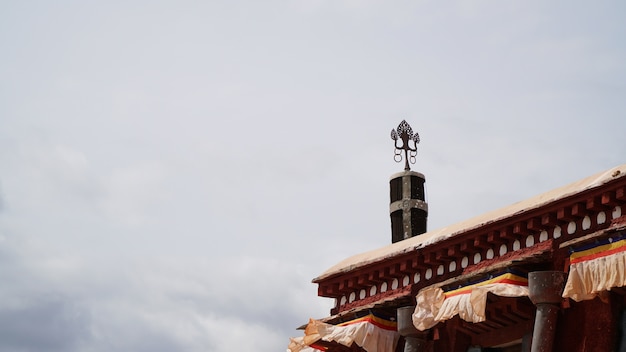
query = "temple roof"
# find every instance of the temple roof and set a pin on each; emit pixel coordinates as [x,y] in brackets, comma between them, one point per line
[444,233]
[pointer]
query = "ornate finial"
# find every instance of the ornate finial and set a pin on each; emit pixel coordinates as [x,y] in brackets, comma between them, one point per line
[405,133]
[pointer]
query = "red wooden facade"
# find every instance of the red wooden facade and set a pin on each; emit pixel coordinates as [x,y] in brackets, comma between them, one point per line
[536,235]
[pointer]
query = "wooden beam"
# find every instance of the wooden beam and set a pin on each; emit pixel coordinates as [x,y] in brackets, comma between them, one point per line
[548,219]
[503,335]
[564,214]
[375,276]
[494,237]
[607,198]
[589,237]
[442,255]
[362,280]
[481,242]
[595,204]
[579,210]
[406,266]
[429,258]
[466,247]
[394,270]
[534,224]
[458,341]
[520,228]
[522,308]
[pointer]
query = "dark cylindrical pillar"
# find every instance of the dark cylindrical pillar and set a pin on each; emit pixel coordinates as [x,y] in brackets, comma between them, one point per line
[408,208]
[414,344]
[544,290]
[414,340]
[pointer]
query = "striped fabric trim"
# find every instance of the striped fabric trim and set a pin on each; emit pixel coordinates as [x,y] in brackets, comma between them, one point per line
[506,278]
[598,250]
[318,347]
[374,320]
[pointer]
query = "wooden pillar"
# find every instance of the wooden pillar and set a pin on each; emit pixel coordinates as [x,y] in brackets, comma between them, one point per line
[545,288]
[414,340]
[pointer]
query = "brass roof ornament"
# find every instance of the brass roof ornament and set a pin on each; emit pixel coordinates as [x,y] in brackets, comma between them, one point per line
[404,132]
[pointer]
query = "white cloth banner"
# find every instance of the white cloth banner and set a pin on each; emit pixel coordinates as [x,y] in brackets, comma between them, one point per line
[596,270]
[433,306]
[363,332]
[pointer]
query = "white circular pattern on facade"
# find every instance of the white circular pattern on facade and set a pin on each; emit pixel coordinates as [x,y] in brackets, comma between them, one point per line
[617,212]
[571,227]
[586,223]
[601,218]
[428,274]
[530,241]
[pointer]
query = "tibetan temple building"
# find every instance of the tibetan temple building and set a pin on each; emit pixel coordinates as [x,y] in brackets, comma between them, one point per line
[544,274]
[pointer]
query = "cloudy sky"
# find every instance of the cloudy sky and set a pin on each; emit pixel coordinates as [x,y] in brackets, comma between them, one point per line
[174,173]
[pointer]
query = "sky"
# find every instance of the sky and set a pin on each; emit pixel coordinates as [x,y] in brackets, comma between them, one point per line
[173,174]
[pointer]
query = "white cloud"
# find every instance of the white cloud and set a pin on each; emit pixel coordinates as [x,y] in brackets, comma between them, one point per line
[130,193]
[172,177]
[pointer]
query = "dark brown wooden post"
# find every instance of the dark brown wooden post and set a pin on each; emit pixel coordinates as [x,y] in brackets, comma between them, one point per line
[545,288]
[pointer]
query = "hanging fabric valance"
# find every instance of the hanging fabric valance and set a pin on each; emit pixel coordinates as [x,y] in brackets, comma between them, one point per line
[298,344]
[595,268]
[469,302]
[370,332]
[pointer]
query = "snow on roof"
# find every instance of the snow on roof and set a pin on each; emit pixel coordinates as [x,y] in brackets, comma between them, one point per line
[428,238]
